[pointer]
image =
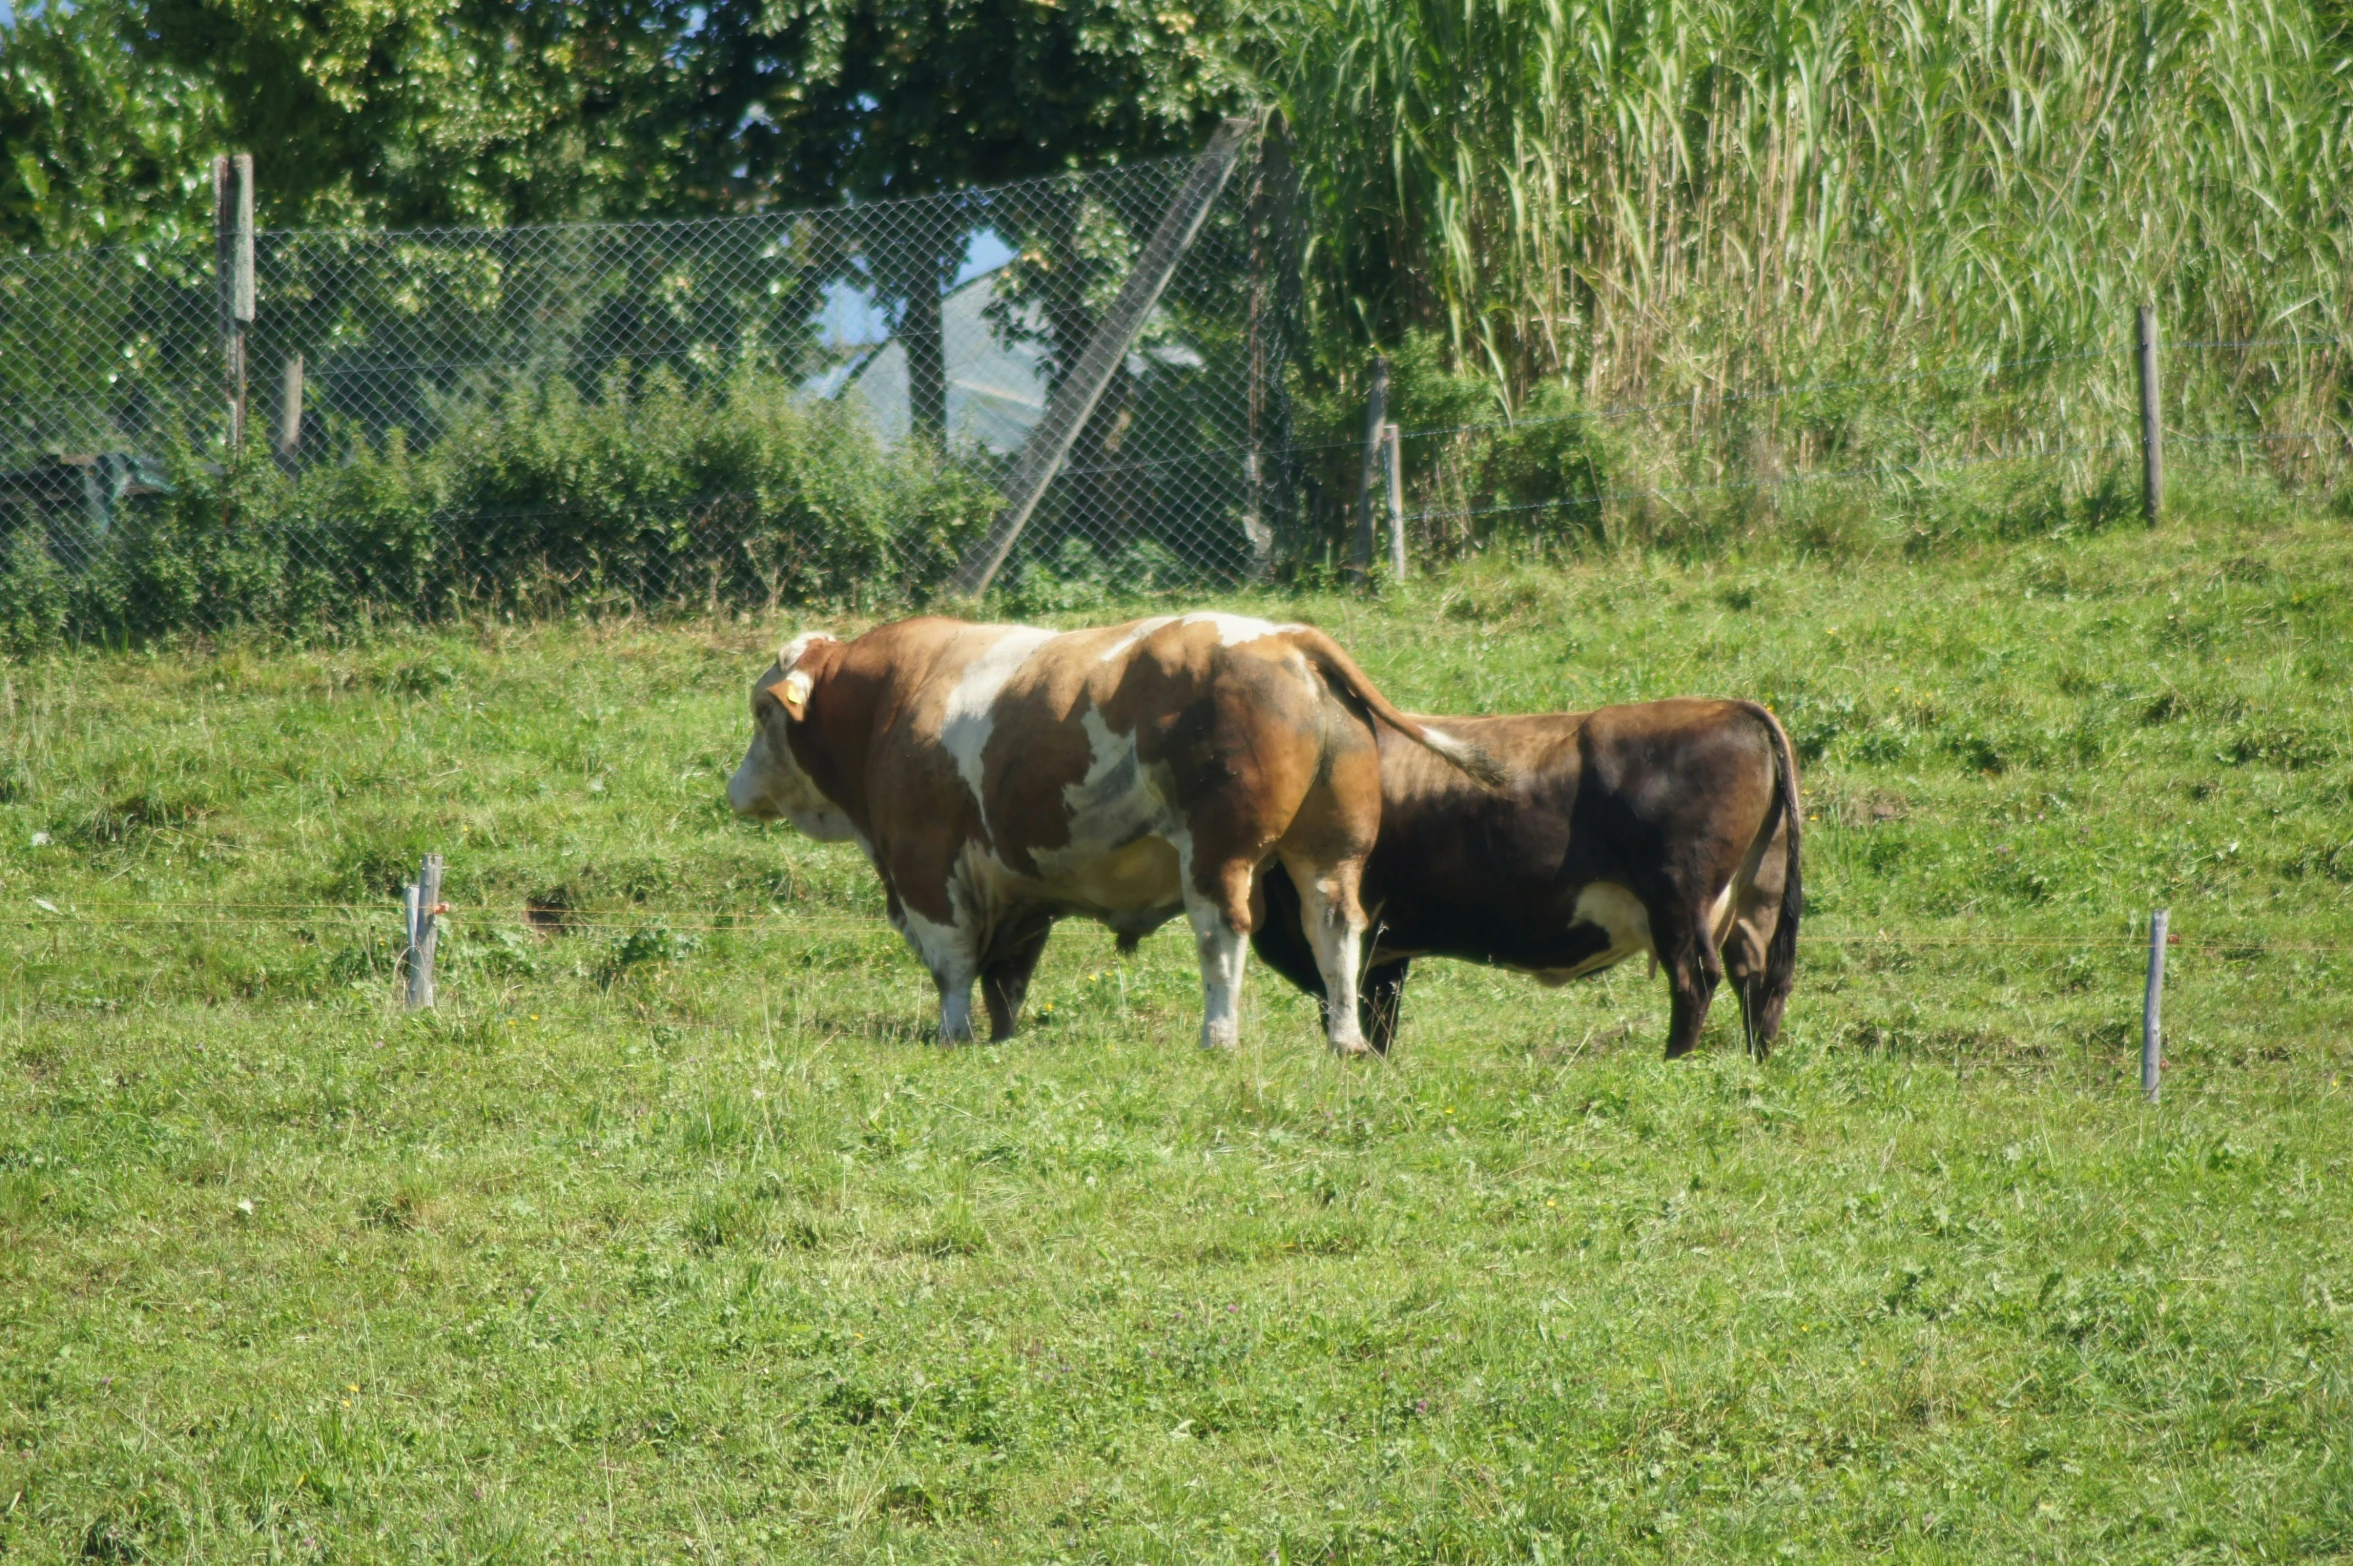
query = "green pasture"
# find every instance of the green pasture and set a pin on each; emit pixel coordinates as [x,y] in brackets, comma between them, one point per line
[670,1236]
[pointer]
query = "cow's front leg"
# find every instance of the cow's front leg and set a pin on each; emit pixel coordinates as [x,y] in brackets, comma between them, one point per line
[1334,923]
[951,952]
[1220,916]
[1222,947]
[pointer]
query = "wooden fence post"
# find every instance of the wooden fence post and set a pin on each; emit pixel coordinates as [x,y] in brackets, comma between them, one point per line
[2150,1063]
[1392,462]
[2152,425]
[290,414]
[1376,419]
[232,251]
[424,905]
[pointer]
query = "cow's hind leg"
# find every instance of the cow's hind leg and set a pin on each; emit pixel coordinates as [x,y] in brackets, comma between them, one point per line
[1740,971]
[1334,921]
[1005,972]
[1693,972]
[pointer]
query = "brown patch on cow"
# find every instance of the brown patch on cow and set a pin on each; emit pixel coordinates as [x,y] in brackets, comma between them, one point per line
[1048,758]
[1037,750]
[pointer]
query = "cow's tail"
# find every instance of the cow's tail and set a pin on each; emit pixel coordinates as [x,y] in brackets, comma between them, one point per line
[1340,670]
[1781,951]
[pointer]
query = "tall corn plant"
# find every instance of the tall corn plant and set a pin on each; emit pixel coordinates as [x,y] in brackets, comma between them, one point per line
[1649,198]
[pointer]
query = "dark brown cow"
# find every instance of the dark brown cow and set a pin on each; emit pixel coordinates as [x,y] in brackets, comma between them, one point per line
[1666,827]
[1001,777]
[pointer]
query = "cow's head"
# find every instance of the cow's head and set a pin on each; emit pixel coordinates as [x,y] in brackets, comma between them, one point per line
[770,782]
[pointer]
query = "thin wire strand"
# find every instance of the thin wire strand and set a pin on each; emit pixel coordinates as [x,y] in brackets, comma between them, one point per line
[117,912]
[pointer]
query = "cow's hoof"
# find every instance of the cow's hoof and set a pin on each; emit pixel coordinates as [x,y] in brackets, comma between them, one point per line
[1351,1049]
[1227,1039]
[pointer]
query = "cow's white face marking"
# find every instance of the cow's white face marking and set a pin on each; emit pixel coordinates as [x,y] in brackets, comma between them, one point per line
[792,650]
[769,782]
[971,715]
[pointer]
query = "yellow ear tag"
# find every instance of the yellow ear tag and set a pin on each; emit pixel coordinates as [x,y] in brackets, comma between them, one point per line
[793,692]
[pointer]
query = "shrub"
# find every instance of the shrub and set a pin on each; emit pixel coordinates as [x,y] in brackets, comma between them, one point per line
[35,596]
[645,495]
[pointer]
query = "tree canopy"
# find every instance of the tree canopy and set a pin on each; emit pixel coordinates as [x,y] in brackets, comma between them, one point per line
[406,112]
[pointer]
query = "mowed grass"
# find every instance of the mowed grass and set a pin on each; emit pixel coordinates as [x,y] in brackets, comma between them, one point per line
[669,1236]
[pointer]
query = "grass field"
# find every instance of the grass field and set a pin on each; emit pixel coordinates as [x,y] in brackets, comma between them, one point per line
[670,1237]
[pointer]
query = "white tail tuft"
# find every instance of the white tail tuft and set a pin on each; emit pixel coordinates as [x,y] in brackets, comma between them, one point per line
[1471,758]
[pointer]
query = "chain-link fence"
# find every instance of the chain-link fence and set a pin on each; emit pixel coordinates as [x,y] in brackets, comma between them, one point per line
[726,412]
[834,406]
[1974,446]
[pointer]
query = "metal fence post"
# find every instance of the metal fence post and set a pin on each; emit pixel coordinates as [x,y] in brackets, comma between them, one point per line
[290,414]
[2152,425]
[1376,419]
[2150,1002]
[1393,464]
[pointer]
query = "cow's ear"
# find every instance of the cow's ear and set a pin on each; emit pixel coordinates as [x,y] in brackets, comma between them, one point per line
[792,694]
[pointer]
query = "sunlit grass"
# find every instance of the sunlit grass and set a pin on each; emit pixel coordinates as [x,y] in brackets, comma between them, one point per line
[670,1234]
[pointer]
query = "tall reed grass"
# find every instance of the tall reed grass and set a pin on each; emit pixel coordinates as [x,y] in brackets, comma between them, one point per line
[1642,199]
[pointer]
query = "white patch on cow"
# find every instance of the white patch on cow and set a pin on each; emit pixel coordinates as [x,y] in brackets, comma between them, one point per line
[1223,950]
[1232,631]
[791,652]
[1447,745]
[1135,633]
[971,715]
[1720,917]
[1617,912]
[1619,915]
[1119,859]
[1235,629]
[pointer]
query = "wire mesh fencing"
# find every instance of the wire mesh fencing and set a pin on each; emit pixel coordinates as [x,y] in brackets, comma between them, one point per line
[725,412]
[830,406]
[1998,446]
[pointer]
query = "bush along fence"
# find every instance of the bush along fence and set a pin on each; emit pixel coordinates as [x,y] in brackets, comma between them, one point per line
[1083,374]
[1060,391]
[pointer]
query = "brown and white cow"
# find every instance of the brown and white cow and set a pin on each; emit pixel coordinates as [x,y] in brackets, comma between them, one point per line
[1001,777]
[1666,827]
